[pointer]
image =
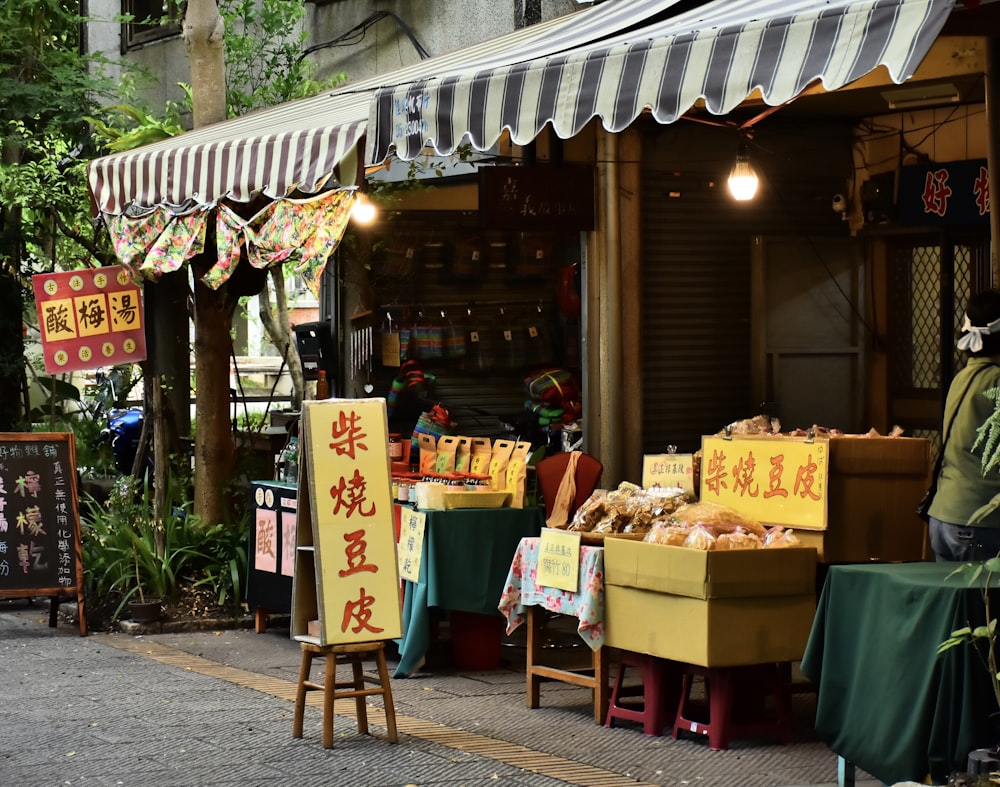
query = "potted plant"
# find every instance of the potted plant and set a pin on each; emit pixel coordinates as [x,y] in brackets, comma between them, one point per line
[144,610]
[982,638]
[134,557]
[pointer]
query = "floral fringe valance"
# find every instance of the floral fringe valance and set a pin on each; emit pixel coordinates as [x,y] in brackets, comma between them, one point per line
[305,232]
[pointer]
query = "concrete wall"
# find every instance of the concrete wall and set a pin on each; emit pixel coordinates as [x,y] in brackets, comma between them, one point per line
[440,26]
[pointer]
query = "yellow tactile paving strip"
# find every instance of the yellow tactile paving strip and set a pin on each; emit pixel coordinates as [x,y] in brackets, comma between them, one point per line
[440,734]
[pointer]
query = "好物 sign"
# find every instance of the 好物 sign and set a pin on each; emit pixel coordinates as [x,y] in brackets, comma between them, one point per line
[89,318]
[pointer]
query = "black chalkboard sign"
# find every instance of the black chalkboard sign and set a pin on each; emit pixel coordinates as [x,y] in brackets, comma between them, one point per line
[40,549]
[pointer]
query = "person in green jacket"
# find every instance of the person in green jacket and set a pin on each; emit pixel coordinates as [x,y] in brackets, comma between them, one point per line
[961,486]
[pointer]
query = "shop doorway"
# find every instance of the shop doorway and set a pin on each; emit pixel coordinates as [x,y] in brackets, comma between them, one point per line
[808,330]
[929,281]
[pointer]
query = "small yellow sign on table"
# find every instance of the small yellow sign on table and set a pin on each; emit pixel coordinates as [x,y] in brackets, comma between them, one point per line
[668,471]
[559,560]
[411,541]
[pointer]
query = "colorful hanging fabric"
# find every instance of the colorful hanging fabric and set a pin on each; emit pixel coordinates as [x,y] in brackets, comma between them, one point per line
[231,232]
[308,229]
[181,239]
[133,236]
[304,231]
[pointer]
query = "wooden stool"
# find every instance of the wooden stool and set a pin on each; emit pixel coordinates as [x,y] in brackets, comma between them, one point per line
[353,654]
[660,679]
[721,684]
[593,676]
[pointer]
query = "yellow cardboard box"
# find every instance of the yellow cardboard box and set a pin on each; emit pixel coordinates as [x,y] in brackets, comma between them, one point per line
[695,573]
[874,486]
[716,632]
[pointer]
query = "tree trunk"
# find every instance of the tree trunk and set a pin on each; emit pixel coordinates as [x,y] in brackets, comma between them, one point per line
[279,332]
[203,32]
[214,451]
[12,379]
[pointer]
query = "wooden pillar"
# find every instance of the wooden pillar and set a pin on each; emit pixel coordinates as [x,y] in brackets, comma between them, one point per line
[630,222]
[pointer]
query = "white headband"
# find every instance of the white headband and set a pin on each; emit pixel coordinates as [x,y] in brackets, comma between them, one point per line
[973,339]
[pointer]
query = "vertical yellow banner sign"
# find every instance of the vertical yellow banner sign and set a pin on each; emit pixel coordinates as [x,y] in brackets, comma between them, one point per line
[776,480]
[350,496]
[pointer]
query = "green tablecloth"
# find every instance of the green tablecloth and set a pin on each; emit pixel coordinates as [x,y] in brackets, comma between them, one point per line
[886,701]
[463,566]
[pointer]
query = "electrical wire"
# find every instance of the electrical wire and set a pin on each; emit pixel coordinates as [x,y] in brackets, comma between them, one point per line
[357,34]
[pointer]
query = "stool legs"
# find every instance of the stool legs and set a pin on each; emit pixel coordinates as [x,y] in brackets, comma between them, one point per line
[390,708]
[721,688]
[658,692]
[333,689]
[300,693]
[360,706]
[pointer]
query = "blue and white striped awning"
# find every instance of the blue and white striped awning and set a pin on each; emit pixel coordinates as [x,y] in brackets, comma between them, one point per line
[311,144]
[721,52]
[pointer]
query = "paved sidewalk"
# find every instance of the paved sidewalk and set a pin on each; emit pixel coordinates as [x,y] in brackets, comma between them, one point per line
[214,708]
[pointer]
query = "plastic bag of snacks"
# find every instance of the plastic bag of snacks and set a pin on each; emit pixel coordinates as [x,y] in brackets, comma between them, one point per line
[663,532]
[779,537]
[720,518]
[700,537]
[738,539]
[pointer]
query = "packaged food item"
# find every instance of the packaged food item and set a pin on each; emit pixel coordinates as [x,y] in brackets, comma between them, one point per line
[517,473]
[663,532]
[463,454]
[482,451]
[718,517]
[447,448]
[700,537]
[590,512]
[502,450]
[428,453]
[779,537]
[738,539]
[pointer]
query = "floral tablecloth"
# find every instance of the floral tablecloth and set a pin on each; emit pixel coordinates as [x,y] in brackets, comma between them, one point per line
[587,604]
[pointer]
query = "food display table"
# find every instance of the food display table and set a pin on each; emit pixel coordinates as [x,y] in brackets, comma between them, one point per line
[886,701]
[521,601]
[464,561]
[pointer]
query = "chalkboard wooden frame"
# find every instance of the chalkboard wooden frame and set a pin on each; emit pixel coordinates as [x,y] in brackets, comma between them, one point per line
[42,554]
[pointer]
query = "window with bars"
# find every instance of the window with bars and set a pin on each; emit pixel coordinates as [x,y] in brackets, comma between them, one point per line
[931,281]
[928,310]
[149,20]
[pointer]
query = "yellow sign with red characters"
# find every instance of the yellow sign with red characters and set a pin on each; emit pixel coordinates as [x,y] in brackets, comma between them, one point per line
[89,318]
[350,500]
[777,480]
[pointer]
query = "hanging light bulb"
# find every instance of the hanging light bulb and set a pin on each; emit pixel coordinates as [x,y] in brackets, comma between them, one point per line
[363,211]
[742,177]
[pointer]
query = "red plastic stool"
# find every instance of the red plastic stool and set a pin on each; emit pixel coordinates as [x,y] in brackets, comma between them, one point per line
[660,683]
[725,687]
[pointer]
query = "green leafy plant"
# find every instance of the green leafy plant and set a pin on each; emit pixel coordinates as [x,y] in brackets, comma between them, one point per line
[128,555]
[226,551]
[982,638]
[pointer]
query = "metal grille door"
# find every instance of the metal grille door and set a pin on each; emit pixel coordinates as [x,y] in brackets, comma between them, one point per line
[930,285]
